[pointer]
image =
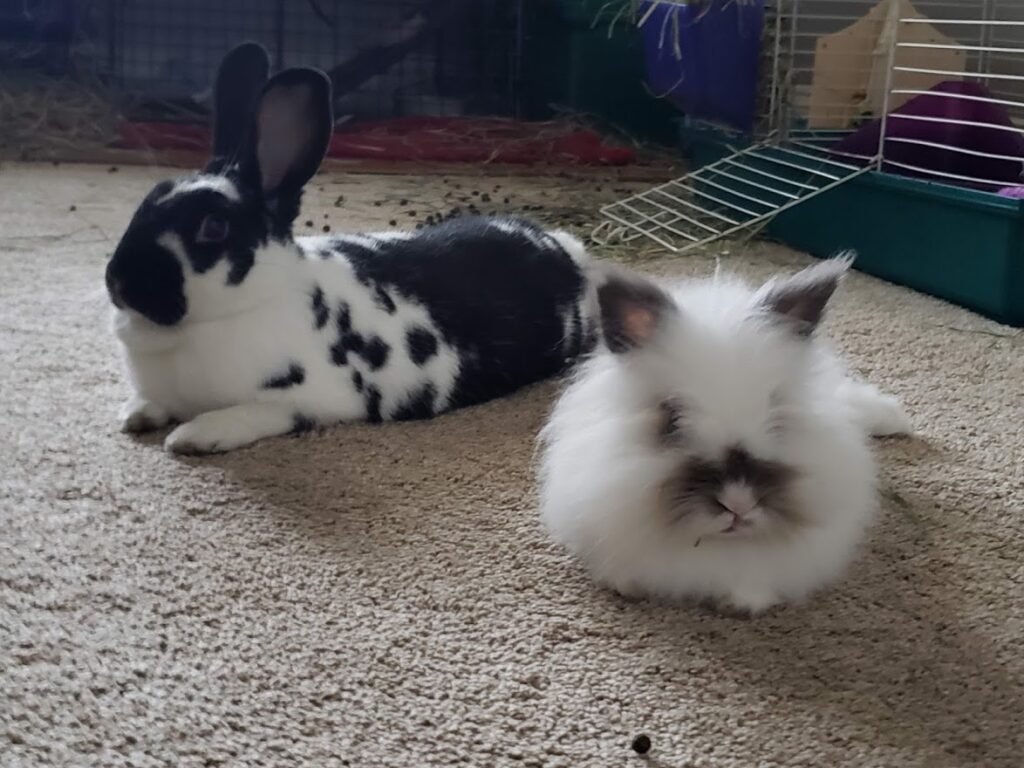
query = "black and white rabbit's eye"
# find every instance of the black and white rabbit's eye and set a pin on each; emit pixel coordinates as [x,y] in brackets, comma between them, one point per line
[214,229]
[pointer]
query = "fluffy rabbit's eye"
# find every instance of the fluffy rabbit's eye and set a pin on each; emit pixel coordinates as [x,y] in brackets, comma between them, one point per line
[214,229]
[670,418]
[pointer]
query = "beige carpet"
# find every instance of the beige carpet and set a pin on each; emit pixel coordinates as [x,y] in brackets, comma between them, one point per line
[385,596]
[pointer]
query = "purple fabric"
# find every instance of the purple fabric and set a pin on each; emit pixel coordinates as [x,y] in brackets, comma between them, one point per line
[971,137]
[1017,192]
[716,78]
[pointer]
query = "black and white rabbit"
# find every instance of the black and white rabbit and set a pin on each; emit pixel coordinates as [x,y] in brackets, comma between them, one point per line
[241,331]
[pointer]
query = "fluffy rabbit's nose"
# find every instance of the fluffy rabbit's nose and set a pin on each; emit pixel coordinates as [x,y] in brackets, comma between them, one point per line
[737,499]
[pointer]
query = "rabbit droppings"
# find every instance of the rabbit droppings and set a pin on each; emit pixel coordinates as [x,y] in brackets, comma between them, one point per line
[717,449]
[241,331]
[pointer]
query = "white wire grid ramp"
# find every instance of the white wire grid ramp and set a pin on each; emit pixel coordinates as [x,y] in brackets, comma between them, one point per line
[932,89]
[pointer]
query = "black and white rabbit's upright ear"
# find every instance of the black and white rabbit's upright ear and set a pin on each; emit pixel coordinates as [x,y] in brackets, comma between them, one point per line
[290,132]
[240,80]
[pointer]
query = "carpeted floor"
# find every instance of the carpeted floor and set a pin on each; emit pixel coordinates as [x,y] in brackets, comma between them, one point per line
[385,596]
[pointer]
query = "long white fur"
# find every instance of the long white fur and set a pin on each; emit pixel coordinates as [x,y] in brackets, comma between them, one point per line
[601,470]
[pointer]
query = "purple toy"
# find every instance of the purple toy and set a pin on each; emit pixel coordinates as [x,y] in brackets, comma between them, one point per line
[975,138]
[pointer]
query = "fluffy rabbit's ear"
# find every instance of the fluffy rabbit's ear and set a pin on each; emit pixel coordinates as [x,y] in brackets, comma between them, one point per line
[633,309]
[800,300]
[291,131]
[240,80]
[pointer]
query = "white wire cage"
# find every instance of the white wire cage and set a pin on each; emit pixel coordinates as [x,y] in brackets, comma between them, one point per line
[843,90]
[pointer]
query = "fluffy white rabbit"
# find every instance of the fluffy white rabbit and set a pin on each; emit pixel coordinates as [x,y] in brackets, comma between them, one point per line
[717,448]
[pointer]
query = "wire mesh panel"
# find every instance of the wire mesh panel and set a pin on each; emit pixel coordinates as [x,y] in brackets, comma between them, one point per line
[98,61]
[387,58]
[924,72]
[933,88]
[735,193]
[833,56]
[969,129]
[793,160]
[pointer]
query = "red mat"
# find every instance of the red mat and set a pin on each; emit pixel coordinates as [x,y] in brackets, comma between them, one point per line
[459,139]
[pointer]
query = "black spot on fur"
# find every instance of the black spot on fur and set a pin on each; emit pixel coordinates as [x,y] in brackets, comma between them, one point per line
[422,344]
[420,405]
[375,352]
[353,342]
[320,311]
[346,343]
[384,301]
[325,253]
[338,354]
[344,318]
[357,381]
[500,297]
[705,478]
[740,465]
[372,398]
[769,480]
[294,376]
[302,424]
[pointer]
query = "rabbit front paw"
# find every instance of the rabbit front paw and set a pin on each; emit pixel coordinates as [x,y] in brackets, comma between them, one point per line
[138,415]
[229,428]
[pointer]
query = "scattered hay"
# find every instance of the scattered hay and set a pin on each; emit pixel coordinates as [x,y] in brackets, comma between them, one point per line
[43,117]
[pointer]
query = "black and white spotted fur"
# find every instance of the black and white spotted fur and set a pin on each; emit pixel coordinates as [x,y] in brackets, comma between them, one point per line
[239,331]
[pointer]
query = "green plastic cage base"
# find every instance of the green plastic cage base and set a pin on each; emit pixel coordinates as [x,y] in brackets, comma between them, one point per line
[958,244]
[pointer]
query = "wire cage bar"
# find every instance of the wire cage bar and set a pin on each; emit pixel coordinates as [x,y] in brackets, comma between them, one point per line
[975,138]
[842,90]
[726,197]
[154,59]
